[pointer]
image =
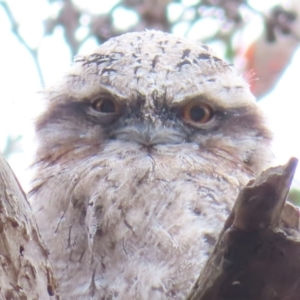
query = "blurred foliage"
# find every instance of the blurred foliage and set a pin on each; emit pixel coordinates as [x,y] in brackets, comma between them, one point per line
[294,196]
[209,20]
[227,16]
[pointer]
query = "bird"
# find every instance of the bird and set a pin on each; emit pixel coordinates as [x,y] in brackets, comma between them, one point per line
[142,149]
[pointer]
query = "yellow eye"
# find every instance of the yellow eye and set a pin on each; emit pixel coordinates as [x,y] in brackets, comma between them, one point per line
[106,106]
[198,113]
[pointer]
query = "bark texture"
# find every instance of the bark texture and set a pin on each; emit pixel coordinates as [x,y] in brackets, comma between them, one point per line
[24,269]
[257,256]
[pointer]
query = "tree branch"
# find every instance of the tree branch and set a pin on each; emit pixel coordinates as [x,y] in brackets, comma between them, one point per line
[24,269]
[16,32]
[257,256]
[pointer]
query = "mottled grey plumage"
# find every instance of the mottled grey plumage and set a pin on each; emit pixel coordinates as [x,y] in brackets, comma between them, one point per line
[130,202]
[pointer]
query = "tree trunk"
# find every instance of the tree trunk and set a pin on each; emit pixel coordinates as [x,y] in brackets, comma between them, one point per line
[24,269]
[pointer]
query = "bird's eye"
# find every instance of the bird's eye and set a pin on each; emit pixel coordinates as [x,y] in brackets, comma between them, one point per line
[106,106]
[197,113]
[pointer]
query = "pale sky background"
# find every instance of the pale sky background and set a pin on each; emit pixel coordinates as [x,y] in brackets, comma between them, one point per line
[19,81]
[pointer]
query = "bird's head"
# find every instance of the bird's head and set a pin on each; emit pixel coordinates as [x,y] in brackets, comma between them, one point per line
[151,91]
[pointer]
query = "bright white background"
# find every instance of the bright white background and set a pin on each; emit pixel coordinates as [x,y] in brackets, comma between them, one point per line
[19,81]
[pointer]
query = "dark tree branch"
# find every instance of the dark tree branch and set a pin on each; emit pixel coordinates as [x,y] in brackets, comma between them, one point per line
[257,256]
[16,32]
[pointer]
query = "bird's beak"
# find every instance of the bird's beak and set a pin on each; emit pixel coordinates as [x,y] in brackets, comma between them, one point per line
[149,135]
